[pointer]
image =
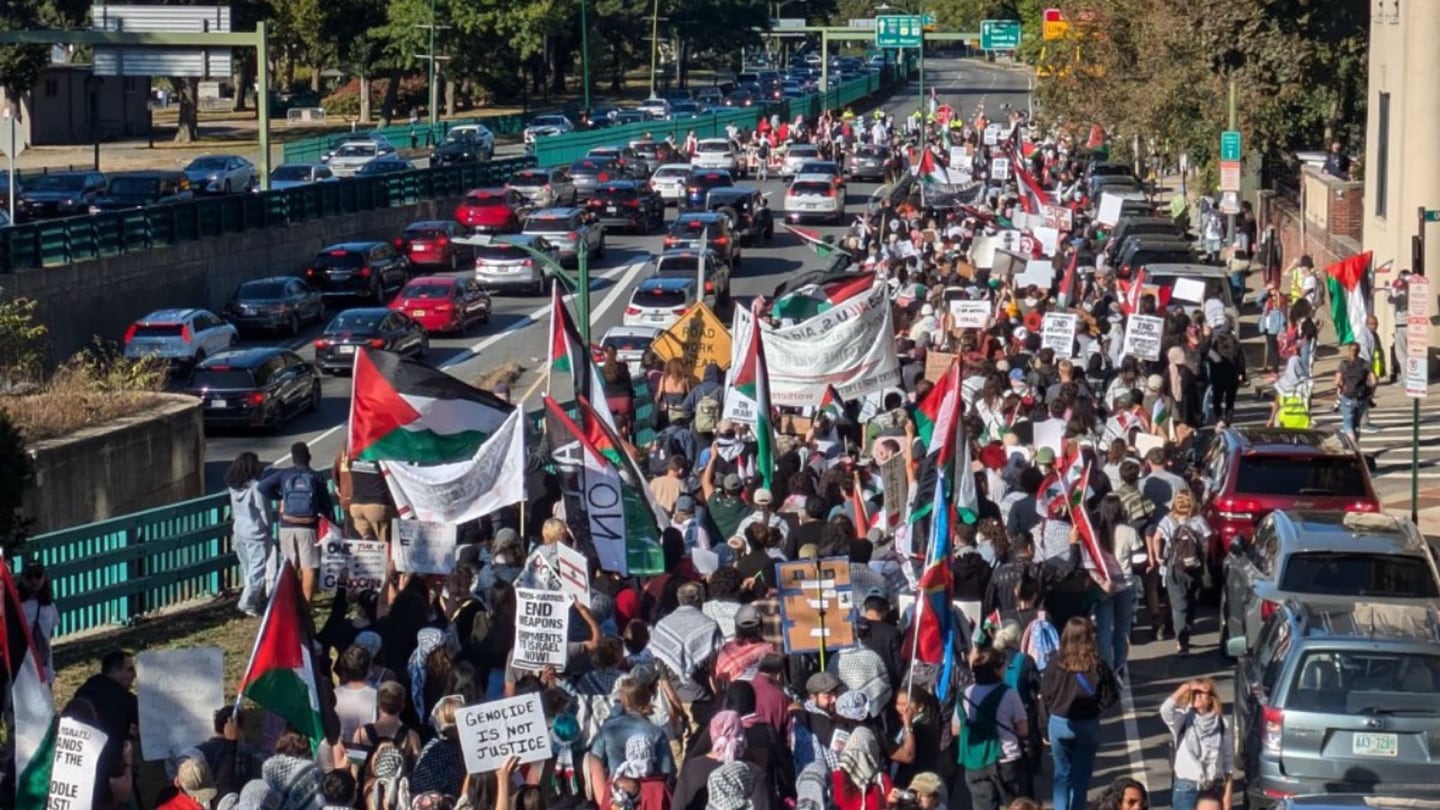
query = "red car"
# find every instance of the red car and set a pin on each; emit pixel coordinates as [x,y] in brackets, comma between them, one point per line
[444,303]
[431,244]
[1251,472]
[490,210]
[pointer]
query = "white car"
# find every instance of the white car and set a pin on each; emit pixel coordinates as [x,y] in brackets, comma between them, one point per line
[715,153]
[660,301]
[350,156]
[657,108]
[290,175]
[814,196]
[630,343]
[669,182]
[795,155]
[222,174]
[543,126]
[182,336]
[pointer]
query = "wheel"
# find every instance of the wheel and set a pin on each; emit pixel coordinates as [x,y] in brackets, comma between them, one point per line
[293,326]
[315,396]
[227,186]
[600,250]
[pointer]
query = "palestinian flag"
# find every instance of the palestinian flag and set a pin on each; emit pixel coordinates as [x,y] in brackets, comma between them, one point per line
[1067,282]
[857,505]
[823,245]
[1160,413]
[814,293]
[402,410]
[623,520]
[1098,559]
[748,399]
[282,676]
[967,497]
[569,359]
[35,726]
[1349,306]
[831,405]
[937,419]
[930,171]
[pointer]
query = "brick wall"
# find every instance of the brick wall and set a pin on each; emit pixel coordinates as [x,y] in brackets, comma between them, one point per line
[1330,227]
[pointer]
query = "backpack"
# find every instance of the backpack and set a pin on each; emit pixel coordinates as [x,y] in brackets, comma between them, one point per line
[1040,641]
[980,744]
[297,495]
[707,413]
[1187,549]
[1013,669]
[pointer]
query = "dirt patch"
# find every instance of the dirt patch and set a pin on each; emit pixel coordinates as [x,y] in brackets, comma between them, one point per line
[506,373]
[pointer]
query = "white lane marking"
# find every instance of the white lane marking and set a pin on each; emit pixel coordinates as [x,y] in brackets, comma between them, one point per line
[624,275]
[1132,734]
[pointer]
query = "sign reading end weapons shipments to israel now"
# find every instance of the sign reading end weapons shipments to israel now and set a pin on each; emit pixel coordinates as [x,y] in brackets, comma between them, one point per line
[816,604]
[542,623]
[1142,337]
[697,339]
[850,347]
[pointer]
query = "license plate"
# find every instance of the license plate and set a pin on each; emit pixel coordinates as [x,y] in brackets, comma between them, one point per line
[217,403]
[658,318]
[1375,745]
[339,276]
[345,349]
[610,209]
[417,313]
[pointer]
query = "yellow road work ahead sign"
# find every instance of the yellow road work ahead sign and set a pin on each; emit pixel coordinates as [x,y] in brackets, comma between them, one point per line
[698,338]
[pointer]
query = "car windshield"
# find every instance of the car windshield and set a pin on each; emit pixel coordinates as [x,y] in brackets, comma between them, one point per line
[1341,476]
[134,186]
[484,200]
[710,146]
[56,182]
[689,227]
[500,252]
[670,173]
[613,193]
[382,166]
[810,187]
[291,173]
[1365,681]
[159,330]
[339,261]
[261,291]
[646,150]
[413,234]
[817,167]
[656,297]
[213,164]
[683,266]
[530,178]
[356,150]
[221,378]
[426,290]
[354,322]
[626,343]
[1353,574]
[548,121]
[588,166]
[803,152]
[711,180]
[466,138]
[547,224]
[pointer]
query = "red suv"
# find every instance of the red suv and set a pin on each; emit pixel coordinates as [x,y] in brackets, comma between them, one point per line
[490,210]
[1250,472]
[431,244]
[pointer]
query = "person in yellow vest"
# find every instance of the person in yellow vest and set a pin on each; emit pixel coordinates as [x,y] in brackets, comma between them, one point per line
[1291,408]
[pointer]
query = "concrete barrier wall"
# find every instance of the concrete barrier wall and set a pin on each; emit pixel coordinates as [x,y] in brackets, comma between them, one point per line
[103,297]
[129,465]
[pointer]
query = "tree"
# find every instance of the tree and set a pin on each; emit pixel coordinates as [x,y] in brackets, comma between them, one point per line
[20,65]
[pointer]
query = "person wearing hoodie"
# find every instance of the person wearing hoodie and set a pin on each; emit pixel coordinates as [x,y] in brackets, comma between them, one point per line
[971,573]
[252,530]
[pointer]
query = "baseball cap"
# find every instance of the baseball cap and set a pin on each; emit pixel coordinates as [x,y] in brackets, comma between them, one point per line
[193,778]
[1153,382]
[1045,455]
[1017,374]
[764,497]
[747,616]
[685,503]
[733,483]
[822,683]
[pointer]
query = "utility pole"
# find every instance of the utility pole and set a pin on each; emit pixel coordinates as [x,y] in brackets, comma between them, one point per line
[920,62]
[585,55]
[654,43]
[434,60]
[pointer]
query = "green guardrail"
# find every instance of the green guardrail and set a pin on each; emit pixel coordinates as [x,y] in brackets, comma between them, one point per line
[407,136]
[48,243]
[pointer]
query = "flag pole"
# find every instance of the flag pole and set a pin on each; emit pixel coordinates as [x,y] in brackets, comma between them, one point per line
[820,601]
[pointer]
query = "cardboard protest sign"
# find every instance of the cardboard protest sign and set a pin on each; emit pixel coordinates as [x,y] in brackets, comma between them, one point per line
[574,573]
[77,758]
[1058,217]
[423,547]
[356,565]
[1188,289]
[893,479]
[1142,336]
[1110,205]
[936,364]
[697,339]
[982,251]
[1057,331]
[542,621]
[495,731]
[816,604]
[178,693]
[1000,169]
[969,315]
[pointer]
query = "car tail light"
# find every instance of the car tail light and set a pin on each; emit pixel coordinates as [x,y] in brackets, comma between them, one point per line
[1267,608]
[256,398]
[572,235]
[680,310]
[632,203]
[310,272]
[670,240]
[604,178]
[185,334]
[693,189]
[130,333]
[1238,508]
[527,262]
[721,240]
[1363,506]
[632,310]
[321,343]
[443,240]
[830,192]
[364,272]
[709,286]
[1273,729]
[1272,793]
[445,307]
[376,343]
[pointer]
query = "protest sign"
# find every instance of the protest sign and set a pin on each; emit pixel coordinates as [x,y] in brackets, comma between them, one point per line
[1110,205]
[849,347]
[1142,337]
[355,565]
[542,620]
[892,477]
[959,160]
[423,547]
[1049,239]
[982,251]
[1057,332]
[77,757]
[993,133]
[969,314]
[1050,433]
[816,604]
[178,693]
[492,732]
[1058,217]
[697,339]
[936,364]
[574,573]
[1010,239]
[1000,169]
[1145,442]
[1039,272]
[1188,289]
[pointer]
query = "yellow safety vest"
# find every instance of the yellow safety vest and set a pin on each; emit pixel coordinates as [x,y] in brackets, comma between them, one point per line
[1294,412]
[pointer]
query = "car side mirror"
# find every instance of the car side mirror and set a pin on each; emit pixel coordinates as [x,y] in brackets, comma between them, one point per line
[1236,647]
[1237,544]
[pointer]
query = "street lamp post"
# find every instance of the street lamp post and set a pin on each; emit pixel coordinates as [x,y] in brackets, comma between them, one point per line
[585,54]
[654,43]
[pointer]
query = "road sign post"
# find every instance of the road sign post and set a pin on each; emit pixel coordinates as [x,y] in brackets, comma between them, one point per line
[999,35]
[1230,145]
[898,31]
[1417,358]
[12,145]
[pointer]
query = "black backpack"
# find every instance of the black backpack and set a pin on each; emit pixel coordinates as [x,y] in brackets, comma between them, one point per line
[1353,374]
[1187,549]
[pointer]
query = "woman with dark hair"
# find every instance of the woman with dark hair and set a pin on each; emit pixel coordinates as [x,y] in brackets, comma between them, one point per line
[1115,612]
[1076,687]
[619,390]
[38,604]
[251,532]
[1124,794]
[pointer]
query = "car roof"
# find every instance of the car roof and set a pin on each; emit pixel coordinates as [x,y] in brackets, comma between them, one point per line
[633,331]
[1371,620]
[732,191]
[666,283]
[448,281]
[804,147]
[698,216]
[685,167]
[269,279]
[725,141]
[352,247]
[175,314]
[1361,532]
[247,358]
[684,253]
[488,191]
[1359,801]
[813,177]
[429,223]
[365,312]
[155,173]
[1288,441]
[553,213]
[627,185]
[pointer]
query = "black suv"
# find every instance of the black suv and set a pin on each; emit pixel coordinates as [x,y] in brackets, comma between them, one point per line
[748,210]
[689,229]
[628,204]
[58,194]
[371,270]
[259,387]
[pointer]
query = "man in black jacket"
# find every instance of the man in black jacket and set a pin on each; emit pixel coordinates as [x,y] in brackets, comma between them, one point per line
[1001,593]
[879,635]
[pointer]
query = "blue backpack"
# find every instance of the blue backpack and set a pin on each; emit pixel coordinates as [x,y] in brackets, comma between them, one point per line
[1040,641]
[297,495]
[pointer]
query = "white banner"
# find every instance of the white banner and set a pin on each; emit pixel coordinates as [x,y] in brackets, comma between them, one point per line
[179,690]
[77,757]
[493,732]
[1142,337]
[542,619]
[356,565]
[574,573]
[1057,331]
[465,490]
[851,347]
[423,547]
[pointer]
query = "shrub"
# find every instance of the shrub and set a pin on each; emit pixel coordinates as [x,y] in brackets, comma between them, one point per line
[93,387]
[345,100]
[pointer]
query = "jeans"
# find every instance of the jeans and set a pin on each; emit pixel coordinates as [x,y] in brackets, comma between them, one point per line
[1073,744]
[1184,591]
[1114,618]
[1351,412]
[1183,795]
[253,555]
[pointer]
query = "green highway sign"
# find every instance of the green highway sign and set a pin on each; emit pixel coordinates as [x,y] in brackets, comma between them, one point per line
[898,31]
[1230,145]
[928,19]
[999,35]
[1432,214]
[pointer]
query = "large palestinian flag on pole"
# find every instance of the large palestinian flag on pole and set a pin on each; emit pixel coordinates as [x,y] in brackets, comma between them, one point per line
[282,676]
[30,700]
[937,421]
[402,410]
[571,359]
[813,293]
[747,400]
[1349,306]
[623,519]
